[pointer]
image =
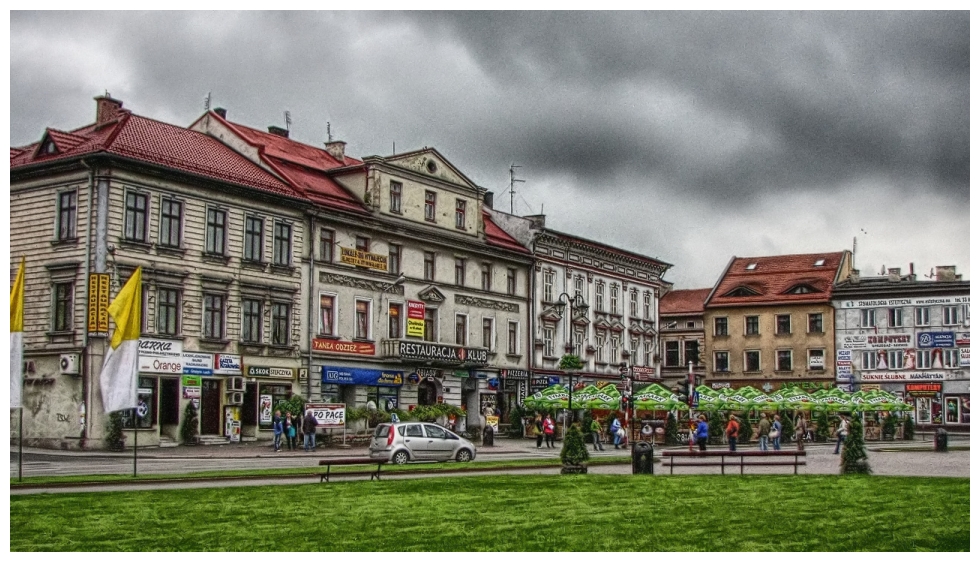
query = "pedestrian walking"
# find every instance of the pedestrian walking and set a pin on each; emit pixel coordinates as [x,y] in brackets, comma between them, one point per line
[731,431]
[616,429]
[596,428]
[549,431]
[289,428]
[309,431]
[701,433]
[776,434]
[277,431]
[800,426]
[842,432]
[764,427]
[538,429]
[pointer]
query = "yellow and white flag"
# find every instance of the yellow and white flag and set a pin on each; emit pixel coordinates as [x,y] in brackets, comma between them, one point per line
[17,338]
[118,379]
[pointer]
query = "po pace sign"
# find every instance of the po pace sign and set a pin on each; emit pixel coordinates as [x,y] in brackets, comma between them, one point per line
[443,353]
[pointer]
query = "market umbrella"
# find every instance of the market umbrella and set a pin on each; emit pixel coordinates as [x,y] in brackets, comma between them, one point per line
[708,399]
[656,397]
[600,398]
[555,396]
[583,396]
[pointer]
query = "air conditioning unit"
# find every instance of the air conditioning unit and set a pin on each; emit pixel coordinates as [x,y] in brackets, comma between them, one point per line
[236,398]
[235,384]
[70,363]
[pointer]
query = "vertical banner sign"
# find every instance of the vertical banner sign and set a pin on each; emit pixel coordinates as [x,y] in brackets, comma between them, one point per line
[416,319]
[265,408]
[98,304]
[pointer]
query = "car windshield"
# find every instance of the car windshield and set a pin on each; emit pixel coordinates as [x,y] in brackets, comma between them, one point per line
[381,430]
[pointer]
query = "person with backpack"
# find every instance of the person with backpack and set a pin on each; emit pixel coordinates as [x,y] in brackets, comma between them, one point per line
[614,428]
[549,431]
[731,431]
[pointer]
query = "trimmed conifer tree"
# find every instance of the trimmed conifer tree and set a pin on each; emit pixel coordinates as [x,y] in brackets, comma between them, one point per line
[854,457]
[822,432]
[744,428]
[114,432]
[573,452]
[716,427]
[670,430]
[908,428]
[188,429]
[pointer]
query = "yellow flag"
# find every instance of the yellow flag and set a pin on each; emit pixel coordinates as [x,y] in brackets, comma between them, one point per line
[119,370]
[17,337]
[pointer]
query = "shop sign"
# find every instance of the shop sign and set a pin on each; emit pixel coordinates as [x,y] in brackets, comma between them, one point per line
[854,342]
[936,339]
[416,319]
[923,389]
[171,365]
[439,352]
[717,385]
[514,374]
[330,416]
[844,372]
[903,376]
[921,301]
[98,304]
[816,361]
[870,387]
[964,357]
[360,258]
[198,363]
[271,372]
[413,378]
[843,356]
[191,386]
[889,341]
[962,339]
[493,383]
[227,364]
[365,377]
[160,348]
[347,347]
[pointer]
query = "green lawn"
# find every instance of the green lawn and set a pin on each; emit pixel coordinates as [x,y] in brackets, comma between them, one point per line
[513,513]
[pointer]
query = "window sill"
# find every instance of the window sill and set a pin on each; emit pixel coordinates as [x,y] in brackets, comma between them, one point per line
[214,341]
[365,340]
[783,334]
[329,337]
[170,250]
[254,264]
[721,335]
[215,258]
[135,244]
[61,334]
[64,242]
[755,335]
[821,332]
[514,356]
[278,268]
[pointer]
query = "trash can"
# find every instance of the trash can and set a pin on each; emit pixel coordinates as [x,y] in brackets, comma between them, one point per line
[941,441]
[488,436]
[642,457]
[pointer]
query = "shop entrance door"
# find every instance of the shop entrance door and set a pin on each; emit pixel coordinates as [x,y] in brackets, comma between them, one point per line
[427,393]
[210,407]
[169,401]
[250,405]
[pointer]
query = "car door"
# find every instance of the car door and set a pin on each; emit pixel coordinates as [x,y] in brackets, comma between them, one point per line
[416,441]
[440,446]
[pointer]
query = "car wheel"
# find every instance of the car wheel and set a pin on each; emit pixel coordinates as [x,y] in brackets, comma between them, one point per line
[401,457]
[464,455]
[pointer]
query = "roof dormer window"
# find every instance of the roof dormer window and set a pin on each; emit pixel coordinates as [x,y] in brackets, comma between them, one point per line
[751,266]
[49,148]
[801,289]
[741,291]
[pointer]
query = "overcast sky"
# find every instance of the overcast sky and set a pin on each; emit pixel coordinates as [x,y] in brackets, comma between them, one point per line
[686,136]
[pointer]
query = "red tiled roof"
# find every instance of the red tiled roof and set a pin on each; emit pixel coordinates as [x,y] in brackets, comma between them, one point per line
[772,277]
[318,187]
[283,148]
[497,237]
[684,301]
[158,143]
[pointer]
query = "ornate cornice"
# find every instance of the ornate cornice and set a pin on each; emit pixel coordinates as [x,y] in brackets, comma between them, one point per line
[487,303]
[358,283]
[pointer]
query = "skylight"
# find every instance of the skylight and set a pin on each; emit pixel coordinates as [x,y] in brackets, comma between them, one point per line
[819,262]
[751,266]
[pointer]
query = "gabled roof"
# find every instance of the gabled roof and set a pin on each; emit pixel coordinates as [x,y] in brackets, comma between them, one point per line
[683,301]
[153,142]
[497,237]
[774,278]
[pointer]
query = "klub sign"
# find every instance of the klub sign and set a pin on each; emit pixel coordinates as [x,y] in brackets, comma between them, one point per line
[347,347]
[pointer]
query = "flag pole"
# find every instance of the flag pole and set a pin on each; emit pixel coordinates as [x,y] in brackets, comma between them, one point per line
[20,446]
[135,434]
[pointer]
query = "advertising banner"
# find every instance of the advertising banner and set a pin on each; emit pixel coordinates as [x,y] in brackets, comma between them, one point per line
[265,408]
[98,304]
[360,258]
[198,363]
[923,389]
[367,377]
[227,364]
[271,372]
[441,352]
[902,376]
[876,341]
[843,355]
[416,319]
[514,374]
[921,301]
[936,339]
[844,373]
[347,347]
[330,416]
[964,357]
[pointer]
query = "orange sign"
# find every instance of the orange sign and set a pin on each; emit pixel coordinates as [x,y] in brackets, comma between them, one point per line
[349,347]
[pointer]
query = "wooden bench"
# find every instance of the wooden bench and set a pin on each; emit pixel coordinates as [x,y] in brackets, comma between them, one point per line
[756,458]
[325,477]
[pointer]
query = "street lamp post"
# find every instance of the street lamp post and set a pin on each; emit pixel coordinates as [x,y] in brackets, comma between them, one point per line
[577,301]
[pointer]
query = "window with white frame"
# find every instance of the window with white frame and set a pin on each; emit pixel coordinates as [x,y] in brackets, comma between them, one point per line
[430,333]
[815,323]
[614,348]
[548,335]
[868,317]
[135,221]
[430,206]
[328,313]
[783,325]
[721,326]
[168,311]
[171,217]
[869,360]
[395,196]
[951,315]
[635,351]
[486,276]
[753,360]
[394,259]
[751,325]
[255,238]
[634,303]
[513,333]
[672,354]
[784,359]
[692,352]
[282,243]
[951,358]
[461,330]
[578,341]
[579,286]
[64,296]
[815,359]
[67,214]
[394,320]
[600,296]
[460,271]
[646,305]
[896,359]
[429,266]
[895,318]
[600,348]
[461,214]
[511,281]
[549,285]
[216,231]
[327,238]
[648,347]
[922,316]
[214,316]
[721,361]
[362,319]
[923,359]
[614,298]
[488,333]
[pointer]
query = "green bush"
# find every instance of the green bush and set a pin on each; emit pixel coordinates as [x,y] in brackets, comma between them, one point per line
[908,428]
[573,451]
[744,428]
[854,457]
[716,427]
[670,430]
[188,427]
[516,429]
[888,428]
[114,440]
[570,362]
[822,432]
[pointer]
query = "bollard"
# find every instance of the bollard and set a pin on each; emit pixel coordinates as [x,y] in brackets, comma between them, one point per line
[941,441]
[642,458]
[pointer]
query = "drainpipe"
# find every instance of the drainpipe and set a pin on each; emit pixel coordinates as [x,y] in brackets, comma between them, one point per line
[83,412]
[309,317]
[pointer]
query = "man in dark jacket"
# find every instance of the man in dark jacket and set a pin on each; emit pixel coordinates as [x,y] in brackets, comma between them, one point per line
[309,431]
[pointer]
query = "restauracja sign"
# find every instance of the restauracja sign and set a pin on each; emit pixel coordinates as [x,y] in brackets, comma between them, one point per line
[447,353]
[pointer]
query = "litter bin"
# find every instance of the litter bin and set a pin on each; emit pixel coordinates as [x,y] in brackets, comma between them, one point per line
[642,457]
[941,441]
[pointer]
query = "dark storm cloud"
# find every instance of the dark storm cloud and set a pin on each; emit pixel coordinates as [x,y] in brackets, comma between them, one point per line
[778,118]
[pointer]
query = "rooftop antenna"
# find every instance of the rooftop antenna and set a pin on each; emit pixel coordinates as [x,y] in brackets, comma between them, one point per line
[289,120]
[207,103]
[329,134]
[513,180]
[392,148]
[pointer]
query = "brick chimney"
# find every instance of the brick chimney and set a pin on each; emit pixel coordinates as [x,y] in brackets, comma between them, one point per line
[947,273]
[106,109]
[336,149]
[222,112]
[278,131]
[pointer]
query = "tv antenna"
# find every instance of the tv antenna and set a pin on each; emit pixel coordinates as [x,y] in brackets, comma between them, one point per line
[207,103]
[329,134]
[513,180]
[289,120]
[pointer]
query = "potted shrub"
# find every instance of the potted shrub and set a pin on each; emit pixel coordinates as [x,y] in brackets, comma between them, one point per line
[573,452]
[188,428]
[114,438]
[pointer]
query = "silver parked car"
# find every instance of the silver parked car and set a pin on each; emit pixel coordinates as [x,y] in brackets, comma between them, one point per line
[416,441]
